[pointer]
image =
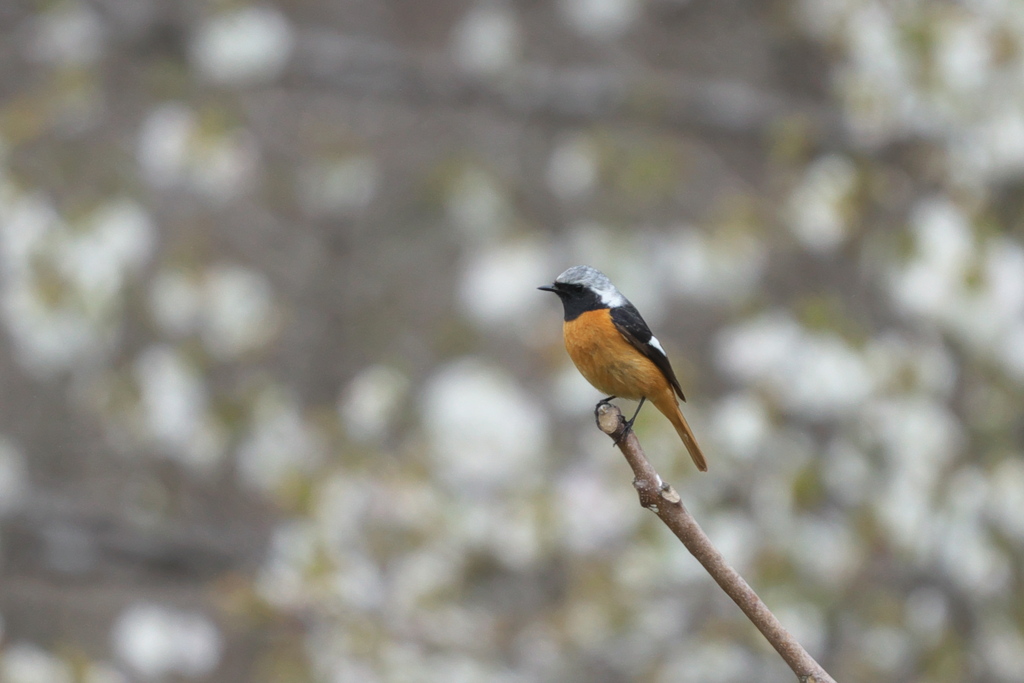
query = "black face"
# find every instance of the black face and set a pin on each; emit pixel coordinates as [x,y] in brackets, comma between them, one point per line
[576,299]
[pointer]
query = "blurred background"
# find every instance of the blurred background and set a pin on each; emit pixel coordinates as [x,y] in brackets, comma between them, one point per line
[279,400]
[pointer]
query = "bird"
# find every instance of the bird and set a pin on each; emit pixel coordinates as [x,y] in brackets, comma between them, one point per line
[614,349]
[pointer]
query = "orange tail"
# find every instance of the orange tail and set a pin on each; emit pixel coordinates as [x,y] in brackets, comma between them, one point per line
[670,409]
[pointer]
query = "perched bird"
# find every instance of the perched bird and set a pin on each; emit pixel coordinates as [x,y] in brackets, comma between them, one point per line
[615,351]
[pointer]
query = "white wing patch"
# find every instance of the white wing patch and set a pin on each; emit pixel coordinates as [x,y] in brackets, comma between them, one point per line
[653,341]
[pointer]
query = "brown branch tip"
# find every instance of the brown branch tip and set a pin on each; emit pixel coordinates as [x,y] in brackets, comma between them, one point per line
[663,500]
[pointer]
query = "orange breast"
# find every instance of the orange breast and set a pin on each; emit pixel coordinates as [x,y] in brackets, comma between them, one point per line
[608,361]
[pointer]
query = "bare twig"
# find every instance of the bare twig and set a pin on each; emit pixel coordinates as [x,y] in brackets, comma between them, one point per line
[345,63]
[660,498]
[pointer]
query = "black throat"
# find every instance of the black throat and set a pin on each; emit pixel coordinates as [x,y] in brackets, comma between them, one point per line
[577,300]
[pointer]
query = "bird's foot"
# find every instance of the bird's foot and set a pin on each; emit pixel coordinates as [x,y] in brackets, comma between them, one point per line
[629,423]
[626,430]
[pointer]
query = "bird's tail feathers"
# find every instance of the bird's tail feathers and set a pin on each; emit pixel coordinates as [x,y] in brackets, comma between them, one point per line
[675,416]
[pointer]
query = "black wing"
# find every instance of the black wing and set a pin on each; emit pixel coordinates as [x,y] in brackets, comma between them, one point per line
[632,326]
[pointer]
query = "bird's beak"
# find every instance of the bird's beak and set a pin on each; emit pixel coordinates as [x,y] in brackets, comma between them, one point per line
[547,288]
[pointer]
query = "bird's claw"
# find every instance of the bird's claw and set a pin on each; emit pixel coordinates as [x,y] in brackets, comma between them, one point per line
[625,432]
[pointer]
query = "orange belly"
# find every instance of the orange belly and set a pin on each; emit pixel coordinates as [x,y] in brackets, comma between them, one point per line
[608,361]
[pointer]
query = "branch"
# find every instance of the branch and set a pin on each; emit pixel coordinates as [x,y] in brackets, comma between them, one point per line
[348,64]
[660,498]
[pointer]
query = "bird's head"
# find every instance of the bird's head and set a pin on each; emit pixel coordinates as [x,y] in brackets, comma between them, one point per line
[585,288]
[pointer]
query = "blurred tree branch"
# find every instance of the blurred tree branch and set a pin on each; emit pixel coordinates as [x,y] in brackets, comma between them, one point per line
[569,94]
[663,500]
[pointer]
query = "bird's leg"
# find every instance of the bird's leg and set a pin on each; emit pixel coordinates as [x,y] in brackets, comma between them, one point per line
[604,401]
[630,421]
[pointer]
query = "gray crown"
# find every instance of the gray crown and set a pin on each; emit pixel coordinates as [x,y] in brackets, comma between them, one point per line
[595,280]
